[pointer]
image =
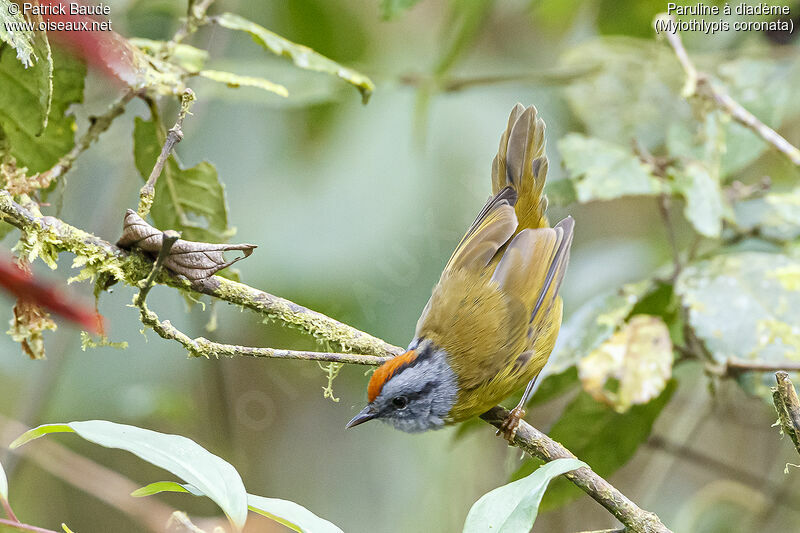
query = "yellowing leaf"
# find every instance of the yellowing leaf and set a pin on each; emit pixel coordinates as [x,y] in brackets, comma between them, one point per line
[302,56]
[236,80]
[594,323]
[745,306]
[638,357]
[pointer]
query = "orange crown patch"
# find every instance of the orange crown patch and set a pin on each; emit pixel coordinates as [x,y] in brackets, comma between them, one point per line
[385,372]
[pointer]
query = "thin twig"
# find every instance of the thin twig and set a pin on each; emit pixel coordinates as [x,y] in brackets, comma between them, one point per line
[24,527]
[168,238]
[174,136]
[132,267]
[195,17]
[663,208]
[9,511]
[699,84]
[202,347]
[616,530]
[556,76]
[788,406]
[98,125]
[737,366]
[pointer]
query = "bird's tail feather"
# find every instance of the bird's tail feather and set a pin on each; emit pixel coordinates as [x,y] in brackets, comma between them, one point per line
[521,163]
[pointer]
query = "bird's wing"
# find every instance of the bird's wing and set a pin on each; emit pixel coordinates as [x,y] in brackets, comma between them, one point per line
[533,266]
[492,228]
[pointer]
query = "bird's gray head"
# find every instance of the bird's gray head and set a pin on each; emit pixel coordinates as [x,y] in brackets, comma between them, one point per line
[414,392]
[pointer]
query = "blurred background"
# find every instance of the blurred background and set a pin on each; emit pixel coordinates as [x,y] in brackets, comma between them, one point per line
[355,209]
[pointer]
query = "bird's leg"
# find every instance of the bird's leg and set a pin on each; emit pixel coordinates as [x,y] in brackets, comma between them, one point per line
[511,423]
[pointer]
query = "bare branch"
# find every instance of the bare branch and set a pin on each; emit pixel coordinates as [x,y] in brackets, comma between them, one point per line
[699,84]
[738,366]
[788,406]
[174,136]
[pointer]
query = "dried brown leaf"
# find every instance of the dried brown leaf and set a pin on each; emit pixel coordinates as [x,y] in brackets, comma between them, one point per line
[194,260]
[29,321]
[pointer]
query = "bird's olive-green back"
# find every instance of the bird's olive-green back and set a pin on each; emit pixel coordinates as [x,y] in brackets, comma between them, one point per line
[495,310]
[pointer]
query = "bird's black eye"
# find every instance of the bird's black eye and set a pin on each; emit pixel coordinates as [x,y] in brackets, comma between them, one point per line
[400,402]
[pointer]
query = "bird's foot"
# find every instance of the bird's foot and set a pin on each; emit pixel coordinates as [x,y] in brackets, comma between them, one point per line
[510,425]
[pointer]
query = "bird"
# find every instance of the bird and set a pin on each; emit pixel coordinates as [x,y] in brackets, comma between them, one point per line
[494,315]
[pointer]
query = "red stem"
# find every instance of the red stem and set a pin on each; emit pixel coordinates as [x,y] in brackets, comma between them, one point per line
[9,511]
[25,527]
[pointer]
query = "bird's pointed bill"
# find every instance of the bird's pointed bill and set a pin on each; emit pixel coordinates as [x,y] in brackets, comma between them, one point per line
[366,414]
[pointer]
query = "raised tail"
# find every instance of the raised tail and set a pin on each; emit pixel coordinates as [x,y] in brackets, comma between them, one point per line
[521,163]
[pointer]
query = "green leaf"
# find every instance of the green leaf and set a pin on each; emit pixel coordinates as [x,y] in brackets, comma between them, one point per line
[637,358]
[391,8]
[704,201]
[25,108]
[593,323]
[776,215]
[235,80]
[586,427]
[3,484]
[21,37]
[633,95]
[191,200]
[745,306]
[302,56]
[290,514]
[513,508]
[600,170]
[181,456]
[165,486]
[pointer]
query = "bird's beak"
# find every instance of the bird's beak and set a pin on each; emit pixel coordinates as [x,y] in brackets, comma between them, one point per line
[366,414]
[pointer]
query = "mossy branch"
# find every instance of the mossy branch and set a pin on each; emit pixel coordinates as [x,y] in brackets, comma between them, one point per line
[49,235]
[46,236]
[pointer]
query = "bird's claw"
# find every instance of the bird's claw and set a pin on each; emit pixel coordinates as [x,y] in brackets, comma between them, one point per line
[510,425]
